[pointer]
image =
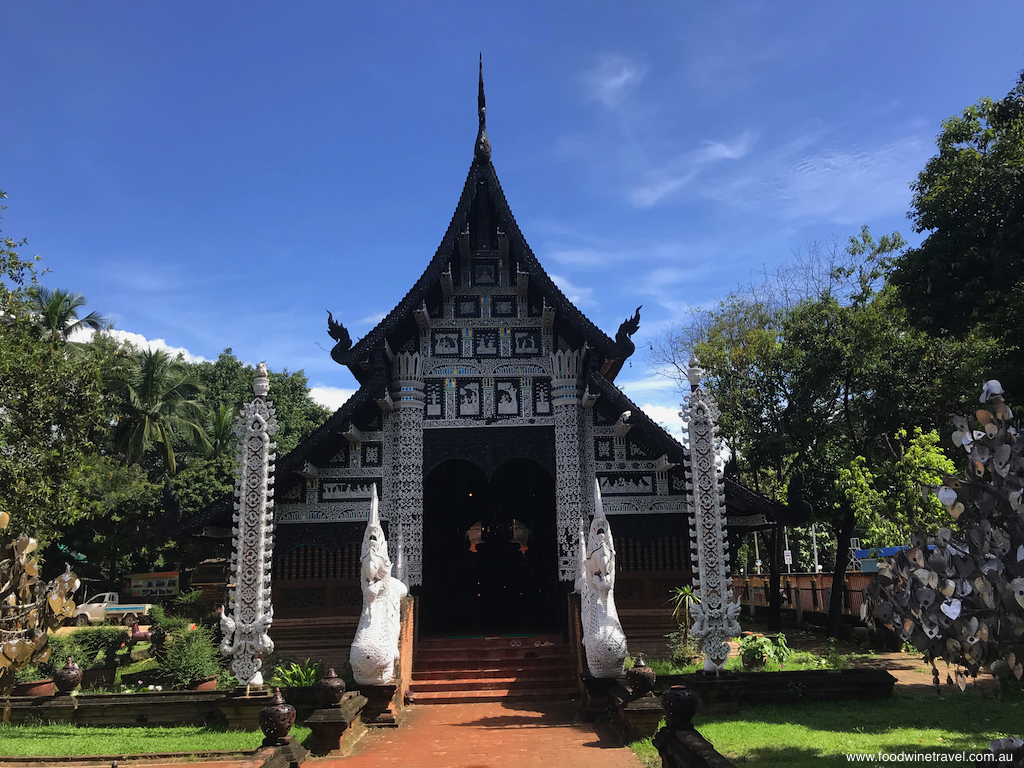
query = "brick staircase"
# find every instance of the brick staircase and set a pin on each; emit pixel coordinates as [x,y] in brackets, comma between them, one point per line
[646,629]
[468,670]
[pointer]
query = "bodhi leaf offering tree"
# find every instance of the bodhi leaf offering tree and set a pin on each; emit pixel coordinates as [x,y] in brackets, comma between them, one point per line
[28,606]
[959,596]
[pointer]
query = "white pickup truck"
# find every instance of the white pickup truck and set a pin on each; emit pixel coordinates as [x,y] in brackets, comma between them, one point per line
[106,606]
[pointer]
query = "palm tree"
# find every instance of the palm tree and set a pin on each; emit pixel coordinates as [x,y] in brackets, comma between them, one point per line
[221,428]
[158,401]
[56,312]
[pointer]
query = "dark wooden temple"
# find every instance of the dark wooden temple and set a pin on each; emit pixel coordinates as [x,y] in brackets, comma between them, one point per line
[486,407]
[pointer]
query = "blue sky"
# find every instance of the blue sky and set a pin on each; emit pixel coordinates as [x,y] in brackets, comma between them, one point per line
[219,174]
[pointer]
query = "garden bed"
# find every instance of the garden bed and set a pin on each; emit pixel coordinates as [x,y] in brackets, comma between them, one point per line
[57,741]
[725,693]
[164,708]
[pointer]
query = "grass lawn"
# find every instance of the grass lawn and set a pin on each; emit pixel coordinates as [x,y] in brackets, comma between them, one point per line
[805,735]
[53,740]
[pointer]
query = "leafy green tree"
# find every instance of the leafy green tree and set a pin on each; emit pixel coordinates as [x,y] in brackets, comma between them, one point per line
[817,368]
[49,405]
[119,505]
[56,311]
[228,381]
[970,200]
[889,501]
[159,401]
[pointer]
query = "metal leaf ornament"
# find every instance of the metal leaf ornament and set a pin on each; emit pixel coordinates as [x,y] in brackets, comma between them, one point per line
[959,595]
[28,606]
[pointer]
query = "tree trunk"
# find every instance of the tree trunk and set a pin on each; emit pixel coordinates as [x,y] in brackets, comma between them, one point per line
[774,582]
[835,606]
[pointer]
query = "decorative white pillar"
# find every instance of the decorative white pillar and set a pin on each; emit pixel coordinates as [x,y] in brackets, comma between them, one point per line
[405,508]
[246,619]
[570,491]
[716,615]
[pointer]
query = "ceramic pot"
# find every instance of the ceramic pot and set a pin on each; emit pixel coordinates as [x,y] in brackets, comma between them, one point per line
[34,688]
[68,678]
[680,704]
[276,719]
[641,678]
[206,684]
[330,689]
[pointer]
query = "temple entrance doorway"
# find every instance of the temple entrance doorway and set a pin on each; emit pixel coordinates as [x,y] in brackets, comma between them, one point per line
[489,550]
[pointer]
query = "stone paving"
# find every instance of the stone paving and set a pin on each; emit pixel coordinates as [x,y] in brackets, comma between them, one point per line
[491,735]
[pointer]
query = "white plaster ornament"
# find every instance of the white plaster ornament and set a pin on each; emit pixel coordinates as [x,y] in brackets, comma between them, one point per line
[716,615]
[246,619]
[375,646]
[603,637]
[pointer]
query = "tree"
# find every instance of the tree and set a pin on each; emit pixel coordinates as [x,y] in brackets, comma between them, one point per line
[56,311]
[228,381]
[159,401]
[49,406]
[816,367]
[970,200]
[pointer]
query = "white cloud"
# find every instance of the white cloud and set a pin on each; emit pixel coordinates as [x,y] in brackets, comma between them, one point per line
[661,182]
[667,416]
[330,397]
[372,319]
[613,78]
[576,294]
[141,342]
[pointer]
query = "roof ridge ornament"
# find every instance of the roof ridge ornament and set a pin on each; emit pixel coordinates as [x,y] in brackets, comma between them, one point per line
[482,150]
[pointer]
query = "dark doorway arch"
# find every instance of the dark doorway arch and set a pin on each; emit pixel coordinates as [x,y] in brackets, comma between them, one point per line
[489,549]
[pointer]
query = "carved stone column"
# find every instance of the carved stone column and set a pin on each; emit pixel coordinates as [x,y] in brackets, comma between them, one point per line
[572,488]
[406,505]
[716,615]
[246,619]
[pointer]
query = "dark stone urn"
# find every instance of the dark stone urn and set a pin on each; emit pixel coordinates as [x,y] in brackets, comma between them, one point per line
[680,704]
[641,679]
[329,689]
[276,719]
[68,678]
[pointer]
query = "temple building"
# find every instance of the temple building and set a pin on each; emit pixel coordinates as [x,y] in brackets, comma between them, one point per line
[486,408]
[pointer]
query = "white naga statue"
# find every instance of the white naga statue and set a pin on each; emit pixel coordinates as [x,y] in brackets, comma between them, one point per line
[603,638]
[375,646]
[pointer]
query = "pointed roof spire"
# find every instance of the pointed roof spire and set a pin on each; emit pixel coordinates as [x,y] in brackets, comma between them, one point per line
[482,151]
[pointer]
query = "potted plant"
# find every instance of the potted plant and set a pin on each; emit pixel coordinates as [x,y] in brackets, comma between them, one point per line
[190,660]
[104,649]
[38,680]
[297,681]
[29,683]
[685,649]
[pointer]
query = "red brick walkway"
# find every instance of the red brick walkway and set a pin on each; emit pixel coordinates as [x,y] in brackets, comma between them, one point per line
[522,735]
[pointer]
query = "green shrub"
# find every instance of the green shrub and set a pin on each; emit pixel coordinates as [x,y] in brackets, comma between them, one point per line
[757,650]
[104,647]
[295,675]
[684,649]
[192,607]
[61,646]
[161,627]
[188,655]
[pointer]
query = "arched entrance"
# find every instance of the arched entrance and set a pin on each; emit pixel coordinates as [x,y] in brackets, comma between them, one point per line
[489,550]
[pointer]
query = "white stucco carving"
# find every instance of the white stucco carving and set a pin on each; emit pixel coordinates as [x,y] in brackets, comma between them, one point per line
[246,618]
[716,616]
[603,638]
[375,646]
